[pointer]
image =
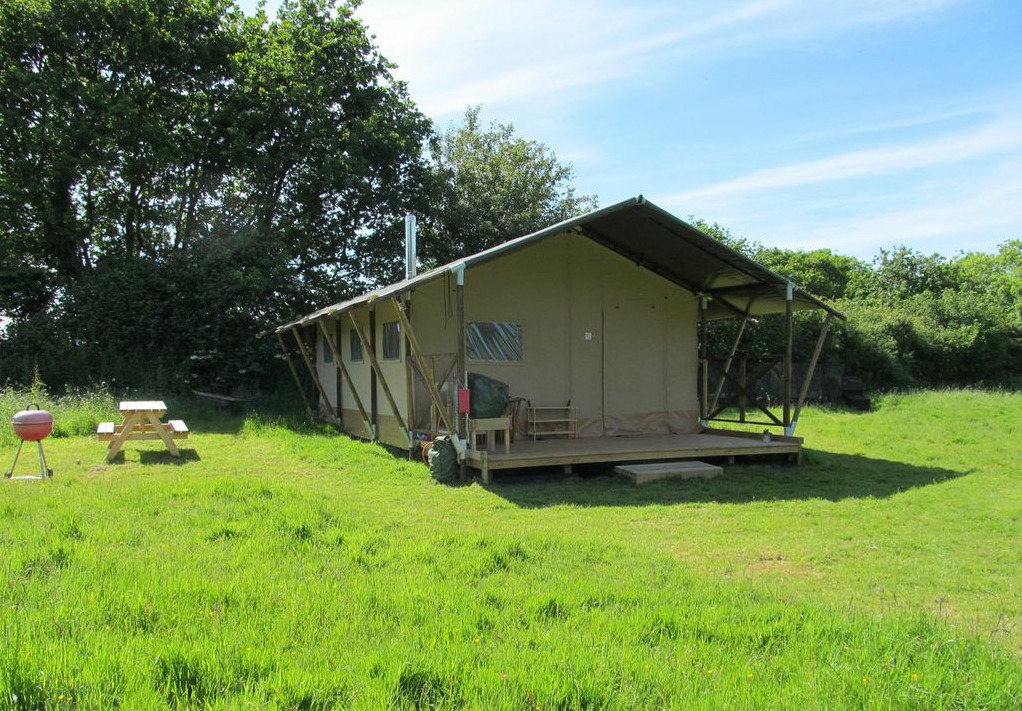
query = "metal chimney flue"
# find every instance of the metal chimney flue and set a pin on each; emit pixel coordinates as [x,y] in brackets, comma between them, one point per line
[410,256]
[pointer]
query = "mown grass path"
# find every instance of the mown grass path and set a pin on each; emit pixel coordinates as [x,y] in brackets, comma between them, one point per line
[275,568]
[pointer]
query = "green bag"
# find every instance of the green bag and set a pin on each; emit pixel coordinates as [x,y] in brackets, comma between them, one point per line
[487,397]
[443,459]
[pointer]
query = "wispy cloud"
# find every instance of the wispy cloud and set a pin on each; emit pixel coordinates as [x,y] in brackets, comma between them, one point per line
[958,207]
[463,52]
[973,143]
[957,217]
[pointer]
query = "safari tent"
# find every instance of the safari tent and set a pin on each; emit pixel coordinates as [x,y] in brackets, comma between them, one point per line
[597,325]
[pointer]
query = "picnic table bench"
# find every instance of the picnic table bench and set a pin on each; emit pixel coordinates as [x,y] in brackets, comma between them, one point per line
[141,422]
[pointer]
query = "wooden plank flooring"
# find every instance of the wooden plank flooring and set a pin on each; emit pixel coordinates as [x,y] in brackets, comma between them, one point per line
[588,450]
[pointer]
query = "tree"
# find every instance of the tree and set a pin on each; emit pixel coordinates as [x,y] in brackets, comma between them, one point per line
[999,275]
[901,272]
[329,145]
[237,170]
[102,104]
[723,235]
[489,186]
[820,271]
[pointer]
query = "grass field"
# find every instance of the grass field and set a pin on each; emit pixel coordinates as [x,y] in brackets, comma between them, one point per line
[277,565]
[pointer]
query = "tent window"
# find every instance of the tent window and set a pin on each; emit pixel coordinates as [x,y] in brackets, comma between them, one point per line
[391,341]
[328,355]
[356,346]
[493,341]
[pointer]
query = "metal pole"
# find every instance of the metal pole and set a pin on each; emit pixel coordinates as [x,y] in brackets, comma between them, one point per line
[410,246]
[8,474]
[44,471]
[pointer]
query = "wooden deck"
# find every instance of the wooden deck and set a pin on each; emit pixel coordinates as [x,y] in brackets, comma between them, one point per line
[589,450]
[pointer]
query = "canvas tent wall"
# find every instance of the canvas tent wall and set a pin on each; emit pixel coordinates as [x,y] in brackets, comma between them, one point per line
[607,308]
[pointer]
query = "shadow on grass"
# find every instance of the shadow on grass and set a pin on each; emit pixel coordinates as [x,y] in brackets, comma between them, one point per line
[822,475]
[151,456]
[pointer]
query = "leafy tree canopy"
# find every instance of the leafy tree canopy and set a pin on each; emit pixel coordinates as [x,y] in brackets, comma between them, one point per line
[239,168]
[491,185]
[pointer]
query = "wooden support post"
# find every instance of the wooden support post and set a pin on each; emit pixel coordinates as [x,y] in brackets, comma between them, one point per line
[432,376]
[409,384]
[789,339]
[484,468]
[727,364]
[371,354]
[704,359]
[312,367]
[743,385]
[434,394]
[366,421]
[459,296]
[374,395]
[810,370]
[294,374]
[439,386]
[447,374]
[333,341]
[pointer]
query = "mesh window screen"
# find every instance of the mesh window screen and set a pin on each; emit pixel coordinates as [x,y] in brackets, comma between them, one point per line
[493,342]
[391,340]
[356,346]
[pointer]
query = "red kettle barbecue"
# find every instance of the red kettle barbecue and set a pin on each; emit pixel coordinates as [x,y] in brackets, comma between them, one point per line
[32,426]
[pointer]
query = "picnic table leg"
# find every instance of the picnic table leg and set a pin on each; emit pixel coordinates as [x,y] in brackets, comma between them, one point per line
[161,430]
[130,420]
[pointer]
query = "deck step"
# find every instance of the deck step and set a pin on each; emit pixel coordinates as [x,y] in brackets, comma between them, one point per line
[645,473]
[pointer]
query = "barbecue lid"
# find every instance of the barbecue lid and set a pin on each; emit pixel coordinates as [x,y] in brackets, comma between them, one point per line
[32,424]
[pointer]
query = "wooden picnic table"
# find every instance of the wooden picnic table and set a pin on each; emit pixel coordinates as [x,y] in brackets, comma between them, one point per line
[142,421]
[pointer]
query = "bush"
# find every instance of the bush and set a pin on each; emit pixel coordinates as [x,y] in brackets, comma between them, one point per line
[951,338]
[187,320]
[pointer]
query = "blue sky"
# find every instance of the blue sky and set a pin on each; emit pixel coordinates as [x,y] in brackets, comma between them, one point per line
[848,124]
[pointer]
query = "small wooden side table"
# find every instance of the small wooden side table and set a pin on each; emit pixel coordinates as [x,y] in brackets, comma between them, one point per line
[489,426]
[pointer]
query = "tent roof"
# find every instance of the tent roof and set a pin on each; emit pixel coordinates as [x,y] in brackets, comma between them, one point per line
[652,238]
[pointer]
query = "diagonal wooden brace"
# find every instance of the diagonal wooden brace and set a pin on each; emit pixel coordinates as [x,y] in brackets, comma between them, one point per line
[370,353]
[434,394]
[366,420]
[294,374]
[312,368]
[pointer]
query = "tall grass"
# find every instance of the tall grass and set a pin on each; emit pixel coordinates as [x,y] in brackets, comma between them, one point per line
[287,567]
[75,414]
